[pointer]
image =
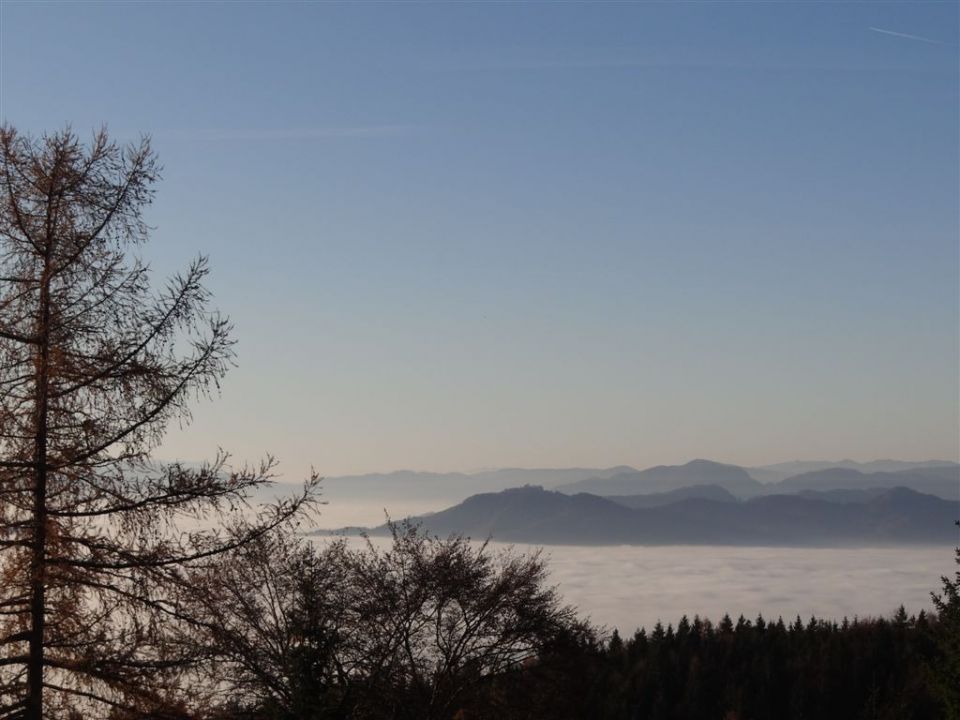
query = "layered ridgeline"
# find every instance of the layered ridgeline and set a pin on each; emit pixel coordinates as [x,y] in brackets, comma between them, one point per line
[413,485]
[704,502]
[533,515]
[933,476]
[941,479]
[667,478]
[782,471]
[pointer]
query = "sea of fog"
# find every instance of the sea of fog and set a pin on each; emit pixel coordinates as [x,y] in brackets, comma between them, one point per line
[627,586]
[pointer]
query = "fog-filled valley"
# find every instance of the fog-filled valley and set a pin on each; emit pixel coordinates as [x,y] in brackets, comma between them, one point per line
[627,587]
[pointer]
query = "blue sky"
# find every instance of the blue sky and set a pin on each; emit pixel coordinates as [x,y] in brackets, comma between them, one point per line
[464,235]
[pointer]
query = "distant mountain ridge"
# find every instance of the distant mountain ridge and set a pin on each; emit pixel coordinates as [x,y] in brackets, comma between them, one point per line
[617,480]
[666,478]
[694,492]
[780,471]
[534,515]
[363,499]
[416,484]
[942,481]
[927,478]
[844,496]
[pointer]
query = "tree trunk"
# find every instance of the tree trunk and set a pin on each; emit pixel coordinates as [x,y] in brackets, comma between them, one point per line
[35,664]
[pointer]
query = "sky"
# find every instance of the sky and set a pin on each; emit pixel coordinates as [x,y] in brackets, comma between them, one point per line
[465,235]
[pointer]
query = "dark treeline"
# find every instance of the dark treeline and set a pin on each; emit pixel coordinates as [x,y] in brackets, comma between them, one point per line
[877,668]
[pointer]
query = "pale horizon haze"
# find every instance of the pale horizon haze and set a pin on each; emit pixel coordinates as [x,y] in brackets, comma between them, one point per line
[455,236]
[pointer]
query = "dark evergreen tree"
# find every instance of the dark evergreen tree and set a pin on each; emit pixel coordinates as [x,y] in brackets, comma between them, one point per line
[947,666]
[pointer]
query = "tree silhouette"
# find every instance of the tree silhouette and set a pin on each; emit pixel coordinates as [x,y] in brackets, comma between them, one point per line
[419,630]
[94,536]
[947,603]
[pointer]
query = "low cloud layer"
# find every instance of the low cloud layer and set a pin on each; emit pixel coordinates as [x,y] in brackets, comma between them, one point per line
[628,587]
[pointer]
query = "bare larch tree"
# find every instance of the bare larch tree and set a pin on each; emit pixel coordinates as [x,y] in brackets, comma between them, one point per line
[96,539]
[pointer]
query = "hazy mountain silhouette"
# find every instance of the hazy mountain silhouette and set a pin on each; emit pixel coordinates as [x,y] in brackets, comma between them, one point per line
[781,471]
[411,484]
[406,492]
[942,481]
[666,478]
[861,495]
[948,472]
[701,492]
[534,515]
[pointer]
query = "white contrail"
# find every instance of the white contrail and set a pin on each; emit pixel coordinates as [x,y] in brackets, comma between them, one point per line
[908,37]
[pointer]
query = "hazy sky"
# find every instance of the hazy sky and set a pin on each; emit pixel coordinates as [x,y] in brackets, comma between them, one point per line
[462,235]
